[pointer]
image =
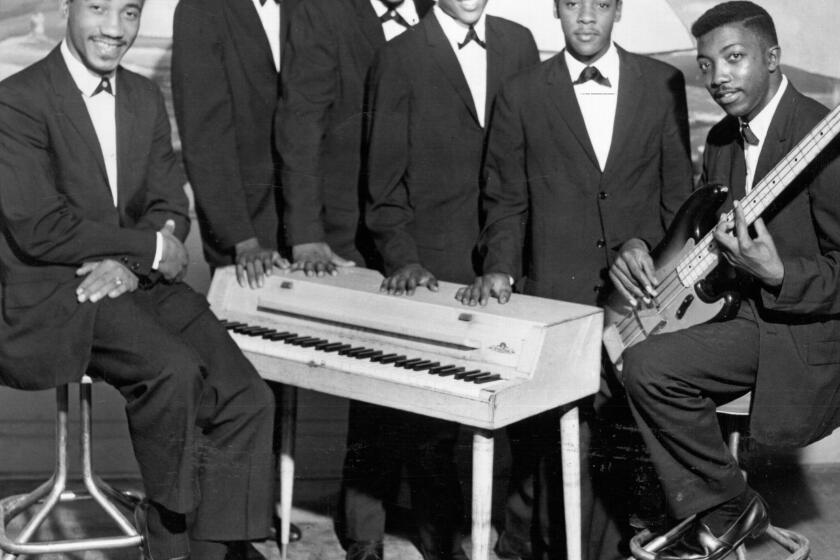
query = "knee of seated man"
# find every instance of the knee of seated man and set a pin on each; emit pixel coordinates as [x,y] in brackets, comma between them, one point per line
[639,371]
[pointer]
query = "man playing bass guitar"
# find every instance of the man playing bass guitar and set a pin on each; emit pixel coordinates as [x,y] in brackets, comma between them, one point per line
[783,344]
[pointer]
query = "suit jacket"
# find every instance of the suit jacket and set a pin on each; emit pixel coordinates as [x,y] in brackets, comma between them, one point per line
[225,88]
[58,212]
[797,390]
[426,145]
[552,215]
[319,124]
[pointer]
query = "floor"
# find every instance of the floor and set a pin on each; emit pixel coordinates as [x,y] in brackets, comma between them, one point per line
[804,499]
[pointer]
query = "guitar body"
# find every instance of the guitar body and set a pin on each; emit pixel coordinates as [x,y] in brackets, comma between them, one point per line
[678,306]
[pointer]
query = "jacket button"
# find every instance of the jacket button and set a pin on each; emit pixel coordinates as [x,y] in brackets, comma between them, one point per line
[601,244]
[602,195]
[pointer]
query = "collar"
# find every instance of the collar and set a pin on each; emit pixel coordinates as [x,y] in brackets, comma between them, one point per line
[455,31]
[760,125]
[85,79]
[407,10]
[607,64]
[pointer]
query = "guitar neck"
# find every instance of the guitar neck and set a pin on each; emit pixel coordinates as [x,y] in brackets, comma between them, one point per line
[704,257]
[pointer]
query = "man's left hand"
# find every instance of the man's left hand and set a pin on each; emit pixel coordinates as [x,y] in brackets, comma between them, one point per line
[104,278]
[754,255]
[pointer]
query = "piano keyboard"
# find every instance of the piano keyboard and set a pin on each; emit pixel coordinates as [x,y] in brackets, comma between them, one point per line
[425,353]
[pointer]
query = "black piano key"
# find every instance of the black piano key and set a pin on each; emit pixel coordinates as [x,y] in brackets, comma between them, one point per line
[253,331]
[488,379]
[268,333]
[311,343]
[408,364]
[351,350]
[428,364]
[241,328]
[473,377]
[323,344]
[296,341]
[332,347]
[375,356]
[453,371]
[391,359]
[402,360]
[439,369]
[282,336]
[463,374]
[230,325]
[382,357]
[365,354]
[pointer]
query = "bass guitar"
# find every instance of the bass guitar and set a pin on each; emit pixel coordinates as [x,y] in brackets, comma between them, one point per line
[693,288]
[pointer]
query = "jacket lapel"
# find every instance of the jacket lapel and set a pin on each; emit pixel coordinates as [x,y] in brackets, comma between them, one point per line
[563,99]
[125,143]
[496,62]
[369,24]
[775,146]
[447,61]
[630,86]
[74,108]
[253,47]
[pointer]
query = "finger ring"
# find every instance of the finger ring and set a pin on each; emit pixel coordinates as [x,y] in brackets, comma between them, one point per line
[119,281]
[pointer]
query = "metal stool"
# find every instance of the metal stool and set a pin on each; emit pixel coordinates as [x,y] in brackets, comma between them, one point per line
[54,491]
[734,418]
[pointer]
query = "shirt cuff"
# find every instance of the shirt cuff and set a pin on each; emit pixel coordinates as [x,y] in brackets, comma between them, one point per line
[158,250]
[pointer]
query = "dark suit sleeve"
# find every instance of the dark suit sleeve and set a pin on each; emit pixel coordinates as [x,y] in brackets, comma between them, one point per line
[811,285]
[164,186]
[675,171]
[310,88]
[389,213]
[37,217]
[505,194]
[203,108]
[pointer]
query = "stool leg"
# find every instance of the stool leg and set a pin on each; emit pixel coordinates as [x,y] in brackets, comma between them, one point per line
[93,483]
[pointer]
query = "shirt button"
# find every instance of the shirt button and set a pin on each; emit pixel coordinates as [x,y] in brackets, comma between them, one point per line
[601,244]
[602,195]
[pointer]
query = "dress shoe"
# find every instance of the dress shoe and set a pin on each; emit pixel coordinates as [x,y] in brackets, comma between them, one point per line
[699,543]
[160,542]
[243,551]
[294,531]
[365,550]
[508,548]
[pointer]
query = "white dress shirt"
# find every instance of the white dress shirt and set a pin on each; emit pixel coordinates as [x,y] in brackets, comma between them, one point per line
[597,102]
[103,114]
[760,125]
[391,28]
[472,58]
[270,17]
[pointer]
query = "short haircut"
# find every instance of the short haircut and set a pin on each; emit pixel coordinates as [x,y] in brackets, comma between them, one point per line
[749,15]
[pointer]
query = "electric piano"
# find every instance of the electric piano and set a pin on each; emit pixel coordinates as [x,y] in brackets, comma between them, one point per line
[483,367]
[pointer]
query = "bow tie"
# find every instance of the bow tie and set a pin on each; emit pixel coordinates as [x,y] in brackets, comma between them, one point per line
[748,135]
[472,36]
[393,15]
[592,73]
[104,85]
[262,2]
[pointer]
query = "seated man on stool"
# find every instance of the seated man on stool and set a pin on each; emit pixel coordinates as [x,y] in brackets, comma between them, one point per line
[92,256]
[784,343]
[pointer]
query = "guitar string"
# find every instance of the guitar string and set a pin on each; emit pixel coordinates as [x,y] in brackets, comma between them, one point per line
[768,188]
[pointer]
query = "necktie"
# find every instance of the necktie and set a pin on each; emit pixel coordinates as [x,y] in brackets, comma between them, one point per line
[104,85]
[748,135]
[393,15]
[472,36]
[592,73]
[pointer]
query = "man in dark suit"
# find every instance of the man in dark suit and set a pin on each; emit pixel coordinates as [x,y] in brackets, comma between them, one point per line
[319,124]
[225,85]
[94,216]
[586,152]
[784,343]
[431,94]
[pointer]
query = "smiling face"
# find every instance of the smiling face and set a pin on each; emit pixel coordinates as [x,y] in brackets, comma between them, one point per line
[587,26]
[99,32]
[466,11]
[741,72]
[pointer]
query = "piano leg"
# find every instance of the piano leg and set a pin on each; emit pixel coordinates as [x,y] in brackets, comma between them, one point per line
[288,424]
[570,438]
[482,493]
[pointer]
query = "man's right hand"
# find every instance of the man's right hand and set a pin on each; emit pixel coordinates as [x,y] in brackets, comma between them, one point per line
[317,259]
[174,260]
[254,263]
[633,273]
[493,284]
